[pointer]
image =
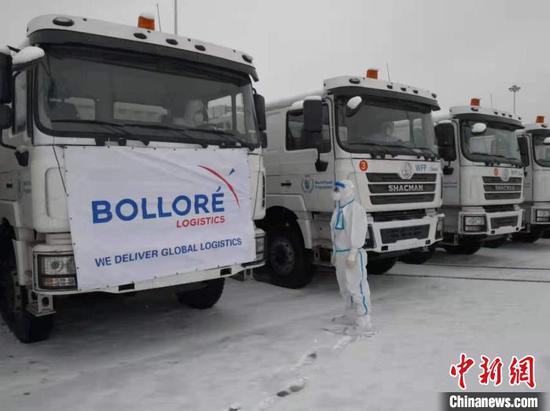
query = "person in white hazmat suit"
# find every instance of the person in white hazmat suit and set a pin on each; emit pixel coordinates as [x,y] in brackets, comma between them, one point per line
[349,231]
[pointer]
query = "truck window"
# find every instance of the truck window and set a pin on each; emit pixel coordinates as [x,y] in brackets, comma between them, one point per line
[295,137]
[85,92]
[139,112]
[20,103]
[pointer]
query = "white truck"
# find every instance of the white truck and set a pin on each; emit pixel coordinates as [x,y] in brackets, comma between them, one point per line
[534,143]
[104,180]
[482,176]
[373,132]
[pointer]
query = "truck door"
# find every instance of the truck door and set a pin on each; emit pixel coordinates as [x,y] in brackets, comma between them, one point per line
[300,171]
[446,135]
[524,150]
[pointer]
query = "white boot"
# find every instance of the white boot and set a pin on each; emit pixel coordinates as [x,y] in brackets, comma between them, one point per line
[363,326]
[349,318]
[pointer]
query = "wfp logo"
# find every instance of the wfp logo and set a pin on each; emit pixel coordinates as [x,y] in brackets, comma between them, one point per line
[308,184]
[145,208]
[406,172]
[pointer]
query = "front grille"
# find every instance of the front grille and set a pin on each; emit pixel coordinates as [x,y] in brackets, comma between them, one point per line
[499,208]
[398,215]
[388,188]
[405,198]
[497,189]
[502,196]
[394,177]
[498,222]
[401,188]
[498,180]
[393,235]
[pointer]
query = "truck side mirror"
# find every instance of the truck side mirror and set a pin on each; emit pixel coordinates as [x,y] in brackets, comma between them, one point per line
[546,141]
[313,116]
[27,58]
[5,78]
[5,117]
[263,139]
[523,150]
[445,136]
[259,105]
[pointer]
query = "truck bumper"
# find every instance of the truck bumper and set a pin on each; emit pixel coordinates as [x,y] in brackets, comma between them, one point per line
[482,223]
[402,235]
[42,286]
[536,216]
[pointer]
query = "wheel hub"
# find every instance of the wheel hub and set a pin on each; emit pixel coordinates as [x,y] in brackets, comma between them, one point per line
[282,256]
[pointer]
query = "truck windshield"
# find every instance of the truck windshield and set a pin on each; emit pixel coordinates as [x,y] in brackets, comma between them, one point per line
[490,141]
[541,151]
[394,126]
[84,92]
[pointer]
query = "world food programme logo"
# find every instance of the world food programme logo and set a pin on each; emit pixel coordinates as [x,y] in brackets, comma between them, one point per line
[505,175]
[307,184]
[406,171]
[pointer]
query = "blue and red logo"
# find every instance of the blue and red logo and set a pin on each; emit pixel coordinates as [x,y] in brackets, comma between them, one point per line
[182,205]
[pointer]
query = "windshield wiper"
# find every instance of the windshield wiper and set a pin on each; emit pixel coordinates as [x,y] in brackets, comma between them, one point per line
[113,127]
[232,136]
[382,148]
[432,154]
[497,157]
[180,131]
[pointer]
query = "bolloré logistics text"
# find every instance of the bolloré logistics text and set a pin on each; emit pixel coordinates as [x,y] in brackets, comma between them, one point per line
[166,252]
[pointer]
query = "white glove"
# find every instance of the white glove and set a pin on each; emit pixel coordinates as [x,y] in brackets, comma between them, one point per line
[352,256]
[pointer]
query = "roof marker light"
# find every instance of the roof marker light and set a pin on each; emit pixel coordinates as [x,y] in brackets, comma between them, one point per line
[146,21]
[474,102]
[372,73]
[540,119]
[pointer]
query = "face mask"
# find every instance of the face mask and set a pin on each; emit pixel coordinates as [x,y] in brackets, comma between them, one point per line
[336,195]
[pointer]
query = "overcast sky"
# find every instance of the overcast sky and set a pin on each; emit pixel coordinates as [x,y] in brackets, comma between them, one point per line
[458,49]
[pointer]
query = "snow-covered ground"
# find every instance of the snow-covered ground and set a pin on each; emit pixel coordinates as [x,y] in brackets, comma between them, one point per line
[149,353]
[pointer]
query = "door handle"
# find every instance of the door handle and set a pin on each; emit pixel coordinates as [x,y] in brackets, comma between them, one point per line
[286,184]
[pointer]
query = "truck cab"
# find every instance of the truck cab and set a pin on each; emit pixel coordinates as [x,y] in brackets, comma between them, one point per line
[483,175]
[373,132]
[534,143]
[108,95]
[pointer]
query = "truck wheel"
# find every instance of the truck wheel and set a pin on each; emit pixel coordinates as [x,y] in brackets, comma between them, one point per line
[204,297]
[463,249]
[380,265]
[546,234]
[499,242]
[288,261]
[528,237]
[13,300]
[419,257]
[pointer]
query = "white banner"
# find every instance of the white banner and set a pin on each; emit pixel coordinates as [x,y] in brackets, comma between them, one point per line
[141,213]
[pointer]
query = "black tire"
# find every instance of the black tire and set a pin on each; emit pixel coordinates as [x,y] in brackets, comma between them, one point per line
[288,262]
[546,234]
[419,257]
[499,242]
[204,297]
[13,300]
[531,237]
[463,249]
[380,265]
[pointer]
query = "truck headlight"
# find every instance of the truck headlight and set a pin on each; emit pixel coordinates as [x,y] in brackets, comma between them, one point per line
[439,228]
[56,271]
[260,248]
[542,216]
[475,223]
